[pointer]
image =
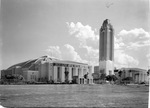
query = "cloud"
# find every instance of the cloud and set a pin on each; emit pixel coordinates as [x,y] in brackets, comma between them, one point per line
[88,39]
[118,44]
[148,57]
[132,42]
[84,34]
[69,53]
[66,52]
[124,60]
[126,44]
[54,51]
[134,39]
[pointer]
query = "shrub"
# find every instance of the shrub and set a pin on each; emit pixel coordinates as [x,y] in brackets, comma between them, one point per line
[142,83]
[127,79]
[111,78]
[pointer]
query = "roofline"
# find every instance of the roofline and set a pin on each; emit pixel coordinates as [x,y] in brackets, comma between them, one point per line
[69,62]
[134,69]
[56,60]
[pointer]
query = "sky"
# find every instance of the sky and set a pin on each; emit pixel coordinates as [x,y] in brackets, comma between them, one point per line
[69,30]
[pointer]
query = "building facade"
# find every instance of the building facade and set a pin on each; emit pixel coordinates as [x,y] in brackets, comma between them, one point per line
[46,69]
[106,48]
[138,75]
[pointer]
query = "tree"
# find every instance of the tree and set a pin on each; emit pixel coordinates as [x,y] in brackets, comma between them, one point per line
[103,76]
[66,77]
[86,76]
[127,79]
[111,78]
[148,72]
[119,73]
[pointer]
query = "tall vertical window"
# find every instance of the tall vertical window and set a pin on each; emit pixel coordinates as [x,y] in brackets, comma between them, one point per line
[72,72]
[58,73]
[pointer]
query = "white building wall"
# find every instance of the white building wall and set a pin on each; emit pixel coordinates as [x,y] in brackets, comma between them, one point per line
[143,77]
[62,74]
[50,74]
[80,72]
[96,69]
[55,74]
[139,77]
[84,71]
[70,73]
[0,74]
[130,74]
[43,70]
[107,66]
[76,71]
[32,75]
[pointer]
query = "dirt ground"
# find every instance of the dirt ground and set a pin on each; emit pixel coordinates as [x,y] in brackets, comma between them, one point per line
[96,95]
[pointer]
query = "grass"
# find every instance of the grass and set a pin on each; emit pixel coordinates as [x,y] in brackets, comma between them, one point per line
[74,96]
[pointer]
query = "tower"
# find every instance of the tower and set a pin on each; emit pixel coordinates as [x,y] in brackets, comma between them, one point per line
[106,48]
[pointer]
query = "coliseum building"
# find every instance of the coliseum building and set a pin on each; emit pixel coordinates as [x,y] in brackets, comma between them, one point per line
[45,69]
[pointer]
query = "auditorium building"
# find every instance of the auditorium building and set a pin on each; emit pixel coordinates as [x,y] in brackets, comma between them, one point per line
[46,68]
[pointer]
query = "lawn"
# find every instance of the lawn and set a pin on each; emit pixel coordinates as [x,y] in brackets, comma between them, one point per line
[74,96]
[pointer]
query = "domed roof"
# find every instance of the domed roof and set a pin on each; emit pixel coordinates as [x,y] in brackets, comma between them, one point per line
[29,63]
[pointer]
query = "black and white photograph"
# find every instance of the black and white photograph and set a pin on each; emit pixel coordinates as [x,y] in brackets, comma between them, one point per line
[74,53]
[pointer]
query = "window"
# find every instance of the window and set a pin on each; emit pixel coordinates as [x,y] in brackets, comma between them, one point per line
[72,72]
[58,73]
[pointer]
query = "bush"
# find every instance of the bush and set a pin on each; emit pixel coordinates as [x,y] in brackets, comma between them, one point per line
[111,78]
[142,83]
[103,76]
[127,79]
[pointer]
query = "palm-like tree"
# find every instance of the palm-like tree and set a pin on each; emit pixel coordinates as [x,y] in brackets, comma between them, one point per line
[66,76]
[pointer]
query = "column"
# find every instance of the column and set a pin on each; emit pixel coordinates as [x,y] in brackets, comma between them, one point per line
[0,74]
[85,81]
[83,72]
[90,70]
[79,72]
[70,73]
[82,75]
[139,77]
[62,74]
[130,74]
[144,77]
[73,71]
[55,74]
[48,71]
[76,71]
